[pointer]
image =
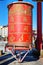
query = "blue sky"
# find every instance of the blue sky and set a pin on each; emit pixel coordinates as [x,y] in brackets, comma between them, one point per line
[4,12]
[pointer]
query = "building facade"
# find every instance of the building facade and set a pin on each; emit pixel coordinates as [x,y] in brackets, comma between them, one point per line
[3,32]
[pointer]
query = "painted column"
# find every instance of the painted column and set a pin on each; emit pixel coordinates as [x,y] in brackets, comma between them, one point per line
[20,0]
[39,25]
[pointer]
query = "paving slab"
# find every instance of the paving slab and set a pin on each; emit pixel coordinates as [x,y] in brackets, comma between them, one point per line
[38,62]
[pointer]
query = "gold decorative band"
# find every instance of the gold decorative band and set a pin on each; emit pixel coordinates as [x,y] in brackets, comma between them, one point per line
[20,43]
[20,33]
[20,23]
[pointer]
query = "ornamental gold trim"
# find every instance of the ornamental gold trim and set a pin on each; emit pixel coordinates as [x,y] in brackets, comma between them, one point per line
[25,19]
[21,23]
[20,33]
[26,28]
[19,10]
[21,37]
[11,38]
[18,42]
[12,27]
[12,18]
[28,11]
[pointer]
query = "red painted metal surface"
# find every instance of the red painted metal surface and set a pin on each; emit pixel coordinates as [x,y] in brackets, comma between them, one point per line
[20,24]
[39,25]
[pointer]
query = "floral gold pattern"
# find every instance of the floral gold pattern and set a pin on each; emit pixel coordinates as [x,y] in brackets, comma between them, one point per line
[18,9]
[28,11]
[21,38]
[25,19]
[12,27]
[26,28]
[12,38]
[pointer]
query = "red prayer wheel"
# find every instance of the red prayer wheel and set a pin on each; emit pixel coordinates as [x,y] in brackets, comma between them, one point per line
[20,24]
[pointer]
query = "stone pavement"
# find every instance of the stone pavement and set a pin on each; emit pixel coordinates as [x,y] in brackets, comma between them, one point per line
[38,62]
[30,59]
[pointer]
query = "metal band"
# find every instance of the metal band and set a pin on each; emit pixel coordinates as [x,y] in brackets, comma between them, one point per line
[14,43]
[16,46]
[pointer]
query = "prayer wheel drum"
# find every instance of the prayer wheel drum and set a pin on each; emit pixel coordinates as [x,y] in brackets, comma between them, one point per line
[20,25]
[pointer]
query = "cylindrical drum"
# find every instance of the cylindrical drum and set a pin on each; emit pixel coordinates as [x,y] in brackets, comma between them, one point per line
[20,24]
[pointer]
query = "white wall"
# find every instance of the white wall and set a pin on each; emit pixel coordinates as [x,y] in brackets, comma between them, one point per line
[5,32]
[1,30]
